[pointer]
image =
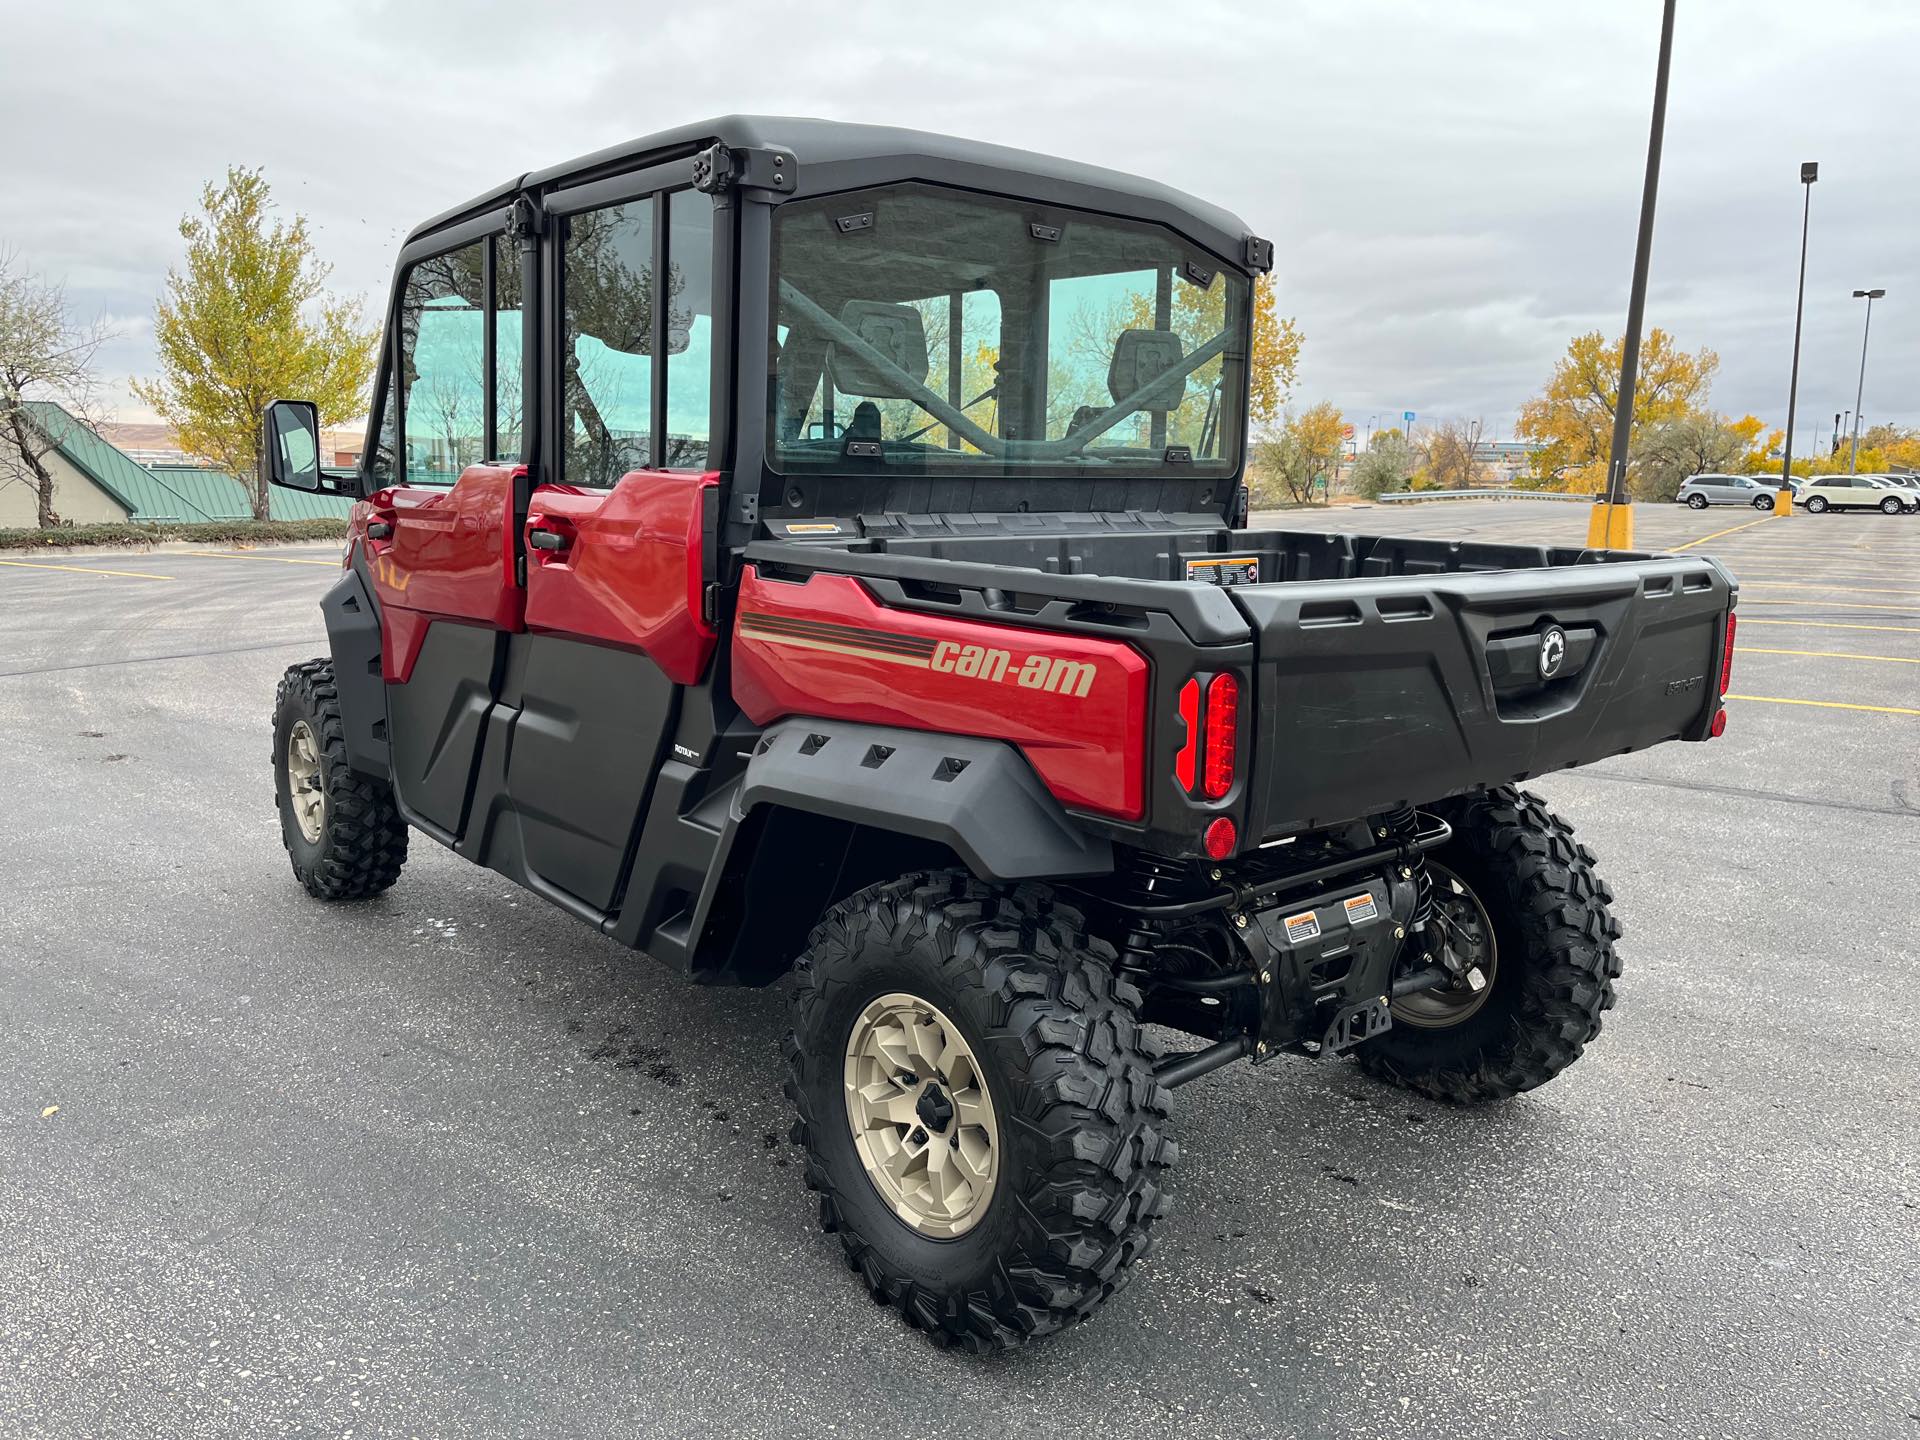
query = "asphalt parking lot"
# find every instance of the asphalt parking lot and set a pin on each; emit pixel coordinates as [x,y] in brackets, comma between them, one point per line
[449,1164]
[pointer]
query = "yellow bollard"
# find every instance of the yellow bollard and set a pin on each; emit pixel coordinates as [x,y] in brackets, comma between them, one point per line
[1610,526]
[1783,500]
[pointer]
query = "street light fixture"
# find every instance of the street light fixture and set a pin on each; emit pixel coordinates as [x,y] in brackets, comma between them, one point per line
[1783,499]
[1853,451]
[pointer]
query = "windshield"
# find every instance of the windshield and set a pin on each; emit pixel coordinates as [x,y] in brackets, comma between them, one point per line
[922,328]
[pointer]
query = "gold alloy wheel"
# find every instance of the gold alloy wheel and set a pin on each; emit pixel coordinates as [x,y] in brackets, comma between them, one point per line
[1468,933]
[921,1115]
[309,801]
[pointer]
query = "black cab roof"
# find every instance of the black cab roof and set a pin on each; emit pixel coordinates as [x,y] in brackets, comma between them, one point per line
[829,155]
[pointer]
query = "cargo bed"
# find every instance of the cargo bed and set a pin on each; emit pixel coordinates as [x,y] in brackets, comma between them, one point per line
[1385,670]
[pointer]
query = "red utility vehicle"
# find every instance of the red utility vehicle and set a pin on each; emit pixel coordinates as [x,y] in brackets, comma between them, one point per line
[804,548]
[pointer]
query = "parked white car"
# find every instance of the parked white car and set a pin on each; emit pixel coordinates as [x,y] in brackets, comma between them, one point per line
[1858,492]
[1700,491]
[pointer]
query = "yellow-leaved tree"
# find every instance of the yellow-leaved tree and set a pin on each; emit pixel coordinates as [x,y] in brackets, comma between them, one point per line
[1572,418]
[1300,457]
[248,320]
[1276,357]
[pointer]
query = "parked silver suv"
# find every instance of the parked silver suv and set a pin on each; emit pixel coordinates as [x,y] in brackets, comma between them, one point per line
[1700,491]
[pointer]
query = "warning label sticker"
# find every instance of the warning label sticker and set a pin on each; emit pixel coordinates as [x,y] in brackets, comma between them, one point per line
[1225,569]
[824,528]
[1304,926]
[1361,907]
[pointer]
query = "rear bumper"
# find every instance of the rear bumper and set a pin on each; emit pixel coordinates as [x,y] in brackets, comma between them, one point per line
[1405,690]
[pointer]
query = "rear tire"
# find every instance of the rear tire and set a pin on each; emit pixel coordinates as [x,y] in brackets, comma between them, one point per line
[1555,959]
[1697,502]
[342,830]
[1817,505]
[1078,1122]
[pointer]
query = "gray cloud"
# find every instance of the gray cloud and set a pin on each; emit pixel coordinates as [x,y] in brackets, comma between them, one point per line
[1452,191]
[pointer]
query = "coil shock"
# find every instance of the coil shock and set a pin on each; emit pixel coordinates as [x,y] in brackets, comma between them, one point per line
[1156,880]
[1402,825]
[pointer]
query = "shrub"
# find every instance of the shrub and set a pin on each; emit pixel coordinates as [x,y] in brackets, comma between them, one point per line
[218,532]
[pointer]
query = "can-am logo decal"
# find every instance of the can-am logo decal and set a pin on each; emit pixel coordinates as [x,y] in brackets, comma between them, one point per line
[986,663]
[1553,651]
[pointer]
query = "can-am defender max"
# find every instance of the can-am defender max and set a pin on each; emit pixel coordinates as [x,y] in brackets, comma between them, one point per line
[803,548]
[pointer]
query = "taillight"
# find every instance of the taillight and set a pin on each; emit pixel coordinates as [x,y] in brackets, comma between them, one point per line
[1183,763]
[1726,657]
[1222,735]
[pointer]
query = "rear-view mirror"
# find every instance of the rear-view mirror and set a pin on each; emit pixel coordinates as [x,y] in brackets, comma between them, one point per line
[290,445]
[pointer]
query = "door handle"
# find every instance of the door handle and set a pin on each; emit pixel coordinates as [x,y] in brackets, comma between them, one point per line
[547,540]
[379,530]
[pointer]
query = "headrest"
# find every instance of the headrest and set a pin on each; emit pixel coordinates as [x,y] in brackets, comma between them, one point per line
[896,331]
[1138,356]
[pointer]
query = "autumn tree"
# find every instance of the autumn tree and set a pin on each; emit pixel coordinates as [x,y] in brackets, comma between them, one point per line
[1301,455]
[1276,357]
[45,354]
[1572,418]
[1451,454]
[1692,444]
[246,321]
[1384,466]
[1882,448]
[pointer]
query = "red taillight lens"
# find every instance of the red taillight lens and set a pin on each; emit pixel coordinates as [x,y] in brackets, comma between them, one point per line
[1223,736]
[1183,763]
[1219,838]
[1726,659]
[1719,723]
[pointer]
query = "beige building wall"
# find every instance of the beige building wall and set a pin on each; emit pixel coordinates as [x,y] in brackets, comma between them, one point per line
[75,497]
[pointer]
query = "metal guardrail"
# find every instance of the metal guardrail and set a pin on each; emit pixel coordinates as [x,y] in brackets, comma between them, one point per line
[1411,495]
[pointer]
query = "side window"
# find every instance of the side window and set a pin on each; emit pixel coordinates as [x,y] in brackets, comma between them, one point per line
[689,330]
[443,371]
[508,375]
[606,419]
[386,440]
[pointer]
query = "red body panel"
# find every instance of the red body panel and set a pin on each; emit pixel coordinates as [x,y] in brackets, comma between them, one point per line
[633,570]
[1074,706]
[450,557]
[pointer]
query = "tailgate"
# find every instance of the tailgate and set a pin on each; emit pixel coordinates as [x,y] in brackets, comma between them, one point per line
[1397,690]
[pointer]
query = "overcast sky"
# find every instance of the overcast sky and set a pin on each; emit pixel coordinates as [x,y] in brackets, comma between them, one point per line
[1452,190]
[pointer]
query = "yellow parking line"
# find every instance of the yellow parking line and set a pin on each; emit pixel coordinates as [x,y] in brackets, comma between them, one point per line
[1829,625]
[1827,704]
[1728,531]
[1828,655]
[1812,585]
[1830,604]
[83,570]
[245,555]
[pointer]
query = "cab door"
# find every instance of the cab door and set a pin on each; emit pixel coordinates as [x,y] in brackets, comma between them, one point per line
[617,533]
[440,537]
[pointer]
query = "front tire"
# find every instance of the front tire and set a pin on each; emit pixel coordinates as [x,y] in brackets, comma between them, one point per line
[1891,506]
[342,830]
[1551,959]
[1043,1092]
[1763,502]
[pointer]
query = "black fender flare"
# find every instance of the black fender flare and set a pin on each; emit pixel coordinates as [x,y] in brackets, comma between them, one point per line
[978,796]
[353,635]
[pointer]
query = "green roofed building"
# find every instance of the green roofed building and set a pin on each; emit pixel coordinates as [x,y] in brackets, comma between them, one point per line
[95,483]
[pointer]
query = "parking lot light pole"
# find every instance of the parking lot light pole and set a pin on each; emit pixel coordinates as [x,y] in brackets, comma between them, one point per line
[1853,451]
[1783,497]
[1611,524]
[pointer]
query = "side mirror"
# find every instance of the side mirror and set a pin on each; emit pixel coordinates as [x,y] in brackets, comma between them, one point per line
[290,445]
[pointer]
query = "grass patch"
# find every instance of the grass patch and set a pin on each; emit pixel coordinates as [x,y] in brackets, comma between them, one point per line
[216,532]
